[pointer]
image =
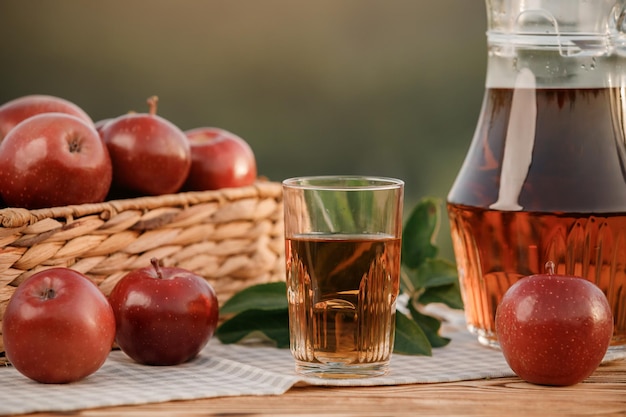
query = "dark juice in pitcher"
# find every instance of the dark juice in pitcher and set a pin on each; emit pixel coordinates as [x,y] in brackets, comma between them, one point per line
[544,180]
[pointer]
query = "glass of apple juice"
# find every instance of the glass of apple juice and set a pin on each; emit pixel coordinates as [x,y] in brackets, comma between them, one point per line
[342,245]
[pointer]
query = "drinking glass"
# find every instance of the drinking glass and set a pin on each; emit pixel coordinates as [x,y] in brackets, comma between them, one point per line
[342,244]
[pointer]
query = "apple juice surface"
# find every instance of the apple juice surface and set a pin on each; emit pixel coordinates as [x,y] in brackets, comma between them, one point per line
[342,291]
[569,203]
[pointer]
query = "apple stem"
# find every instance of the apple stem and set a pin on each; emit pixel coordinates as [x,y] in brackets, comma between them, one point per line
[157,268]
[550,267]
[48,294]
[152,102]
[73,142]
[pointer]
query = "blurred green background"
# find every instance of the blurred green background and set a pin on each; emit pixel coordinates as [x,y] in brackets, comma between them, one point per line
[380,87]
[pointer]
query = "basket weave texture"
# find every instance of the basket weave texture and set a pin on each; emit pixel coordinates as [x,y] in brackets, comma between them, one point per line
[232,237]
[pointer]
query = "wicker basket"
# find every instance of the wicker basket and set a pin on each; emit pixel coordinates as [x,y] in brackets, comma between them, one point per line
[231,237]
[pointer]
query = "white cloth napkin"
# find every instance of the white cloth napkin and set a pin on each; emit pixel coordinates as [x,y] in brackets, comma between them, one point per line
[231,370]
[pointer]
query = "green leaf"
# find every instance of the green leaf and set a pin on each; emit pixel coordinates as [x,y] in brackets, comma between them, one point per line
[446,294]
[274,324]
[269,296]
[430,325]
[432,273]
[418,233]
[435,273]
[410,338]
[332,210]
[408,280]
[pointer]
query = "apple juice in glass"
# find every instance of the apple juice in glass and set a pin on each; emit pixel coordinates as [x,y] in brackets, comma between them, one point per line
[342,241]
[545,176]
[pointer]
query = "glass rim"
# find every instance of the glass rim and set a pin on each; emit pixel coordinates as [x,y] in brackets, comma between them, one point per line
[342,182]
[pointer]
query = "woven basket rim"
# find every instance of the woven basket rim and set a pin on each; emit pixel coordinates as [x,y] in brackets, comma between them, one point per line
[12,217]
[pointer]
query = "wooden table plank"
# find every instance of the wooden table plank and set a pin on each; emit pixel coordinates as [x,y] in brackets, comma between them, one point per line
[602,394]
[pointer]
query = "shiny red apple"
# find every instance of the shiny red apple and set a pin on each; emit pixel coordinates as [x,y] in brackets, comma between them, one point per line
[58,327]
[53,159]
[150,155]
[219,159]
[164,315]
[554,329]
[14,111]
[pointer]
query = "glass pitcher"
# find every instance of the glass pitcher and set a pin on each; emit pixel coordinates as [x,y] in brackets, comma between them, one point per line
[544,178]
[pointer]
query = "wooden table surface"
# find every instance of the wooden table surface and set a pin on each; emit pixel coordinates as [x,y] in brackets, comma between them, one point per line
[602,394]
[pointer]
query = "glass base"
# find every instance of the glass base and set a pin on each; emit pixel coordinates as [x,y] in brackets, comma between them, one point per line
[485,338]
[342,370]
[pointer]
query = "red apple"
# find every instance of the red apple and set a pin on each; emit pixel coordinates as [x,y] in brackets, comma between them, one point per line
[14,111]
[219,159]
[164,315]
[554,329]
[150,155]
[58,327]
[53,159]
